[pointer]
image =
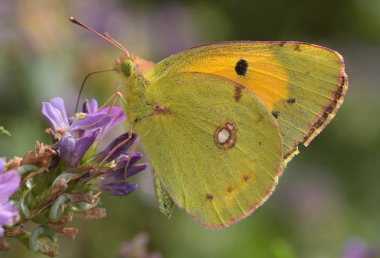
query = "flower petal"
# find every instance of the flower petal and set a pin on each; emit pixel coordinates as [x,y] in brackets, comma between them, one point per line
[82,145]
[9,183]
[55,112]
[90,106]
[91,121]
[122,174]
[66,148]
[125,158]
[116,152]
[2,164]
[119,189]
[72,150]
[117,116]
[136,169]
[59,104]
[8,215]
[357,248]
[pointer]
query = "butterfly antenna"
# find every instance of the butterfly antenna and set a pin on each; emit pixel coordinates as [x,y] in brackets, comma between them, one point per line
[114,40]
[109,39]
[84,82]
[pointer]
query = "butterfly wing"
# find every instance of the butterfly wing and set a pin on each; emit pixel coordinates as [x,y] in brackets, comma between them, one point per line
[303,85]
[218,158]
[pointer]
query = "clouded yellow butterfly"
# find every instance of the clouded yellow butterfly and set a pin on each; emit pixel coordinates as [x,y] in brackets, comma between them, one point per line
[220,122]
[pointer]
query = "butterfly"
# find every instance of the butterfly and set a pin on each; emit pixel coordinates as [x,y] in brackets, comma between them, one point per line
[220,122]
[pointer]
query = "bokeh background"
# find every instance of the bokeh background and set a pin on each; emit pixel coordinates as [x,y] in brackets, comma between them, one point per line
[327,203]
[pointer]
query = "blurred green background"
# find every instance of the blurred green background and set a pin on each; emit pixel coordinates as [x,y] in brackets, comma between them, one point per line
[328,195]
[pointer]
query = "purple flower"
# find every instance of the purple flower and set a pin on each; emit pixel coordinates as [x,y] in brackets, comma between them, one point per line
[138,247]
[92,119]
[90,106]
[82,130]
[9,183]
[77,134]
[357,248]
[125,167]
[115,182]
[55,112]
[2,165]
[116,113]
[72,150]
[106,153]
[119,189]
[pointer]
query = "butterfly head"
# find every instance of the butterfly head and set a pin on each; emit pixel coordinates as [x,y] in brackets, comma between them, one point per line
[131,66]
[126,66]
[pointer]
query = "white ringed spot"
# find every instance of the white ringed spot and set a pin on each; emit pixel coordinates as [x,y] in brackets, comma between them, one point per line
[225,135]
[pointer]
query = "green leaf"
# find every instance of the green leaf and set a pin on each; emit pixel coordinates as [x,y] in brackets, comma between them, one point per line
[35,241]
[66,176]
[26,169]
[23,207]
[58,207]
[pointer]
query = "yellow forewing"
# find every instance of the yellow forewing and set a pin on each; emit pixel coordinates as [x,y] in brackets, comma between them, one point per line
[218,158]
[302,85]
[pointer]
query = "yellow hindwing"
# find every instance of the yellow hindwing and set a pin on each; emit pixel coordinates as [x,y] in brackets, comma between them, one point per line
[217,158]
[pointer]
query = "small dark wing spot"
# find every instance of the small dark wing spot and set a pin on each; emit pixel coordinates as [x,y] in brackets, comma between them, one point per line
[291,101]
[260,143]
[157,110]
[238,93]
[297,48]
[276,113]
[209,196]
[230,189]
[246,178]
[241,67]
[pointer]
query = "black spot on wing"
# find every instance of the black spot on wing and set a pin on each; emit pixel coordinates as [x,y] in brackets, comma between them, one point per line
[241,67]
[276,113]
[209,196]
[291,101]
[246,178]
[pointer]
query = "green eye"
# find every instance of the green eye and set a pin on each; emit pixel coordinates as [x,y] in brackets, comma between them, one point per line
[127,67]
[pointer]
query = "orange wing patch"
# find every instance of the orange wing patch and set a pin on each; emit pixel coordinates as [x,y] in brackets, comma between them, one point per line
[270,87]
